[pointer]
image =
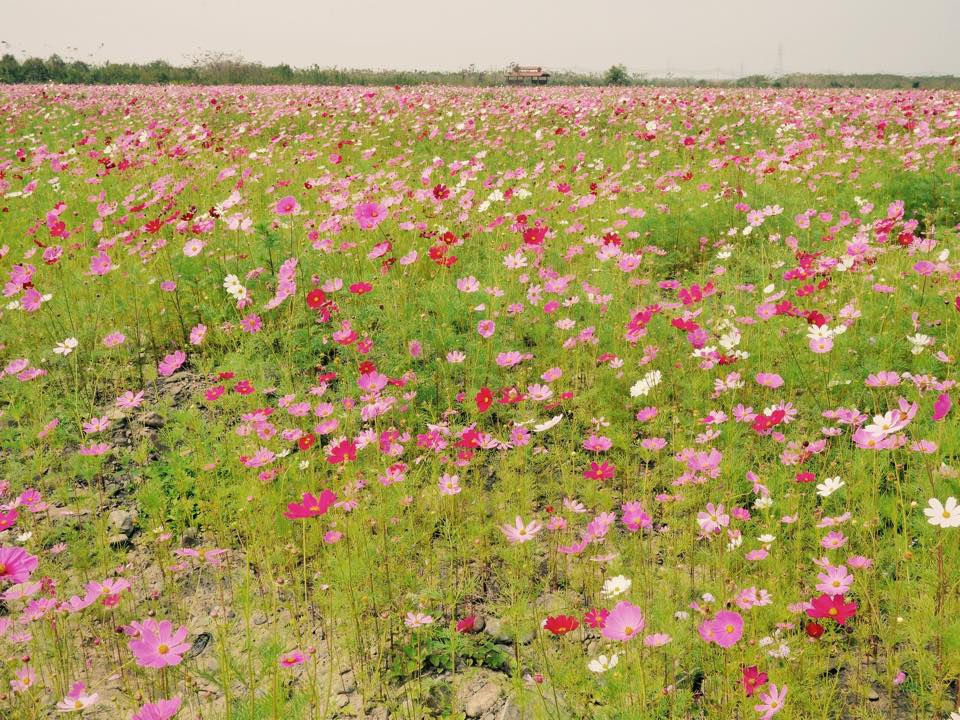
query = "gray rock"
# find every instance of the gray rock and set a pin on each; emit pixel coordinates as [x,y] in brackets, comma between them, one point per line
[510,711]
[118,540]
[121,521]
[496,629]
[152,420]
[482,700]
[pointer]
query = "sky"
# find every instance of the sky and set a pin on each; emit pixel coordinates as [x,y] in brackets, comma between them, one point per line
[703,38]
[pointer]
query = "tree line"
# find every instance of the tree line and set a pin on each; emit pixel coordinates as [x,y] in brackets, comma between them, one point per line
[229,70]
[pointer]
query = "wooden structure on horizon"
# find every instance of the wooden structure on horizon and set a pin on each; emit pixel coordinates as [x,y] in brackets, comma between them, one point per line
[523,74]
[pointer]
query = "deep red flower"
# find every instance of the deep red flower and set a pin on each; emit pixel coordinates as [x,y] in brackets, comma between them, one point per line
[752,679]
[484,399]
[600,471]
[561,624]
[316,298]
[467,624]
[361,288]
[440,191]
[596,618]
[306,441]
[341,452]
[806,477]
[834,607]
[814,630]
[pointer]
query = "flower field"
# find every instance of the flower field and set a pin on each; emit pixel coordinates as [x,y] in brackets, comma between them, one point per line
[486,403]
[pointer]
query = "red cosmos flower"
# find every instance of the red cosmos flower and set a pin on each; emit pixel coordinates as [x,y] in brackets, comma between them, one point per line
[225,376]
[484,399]
[561,624]
[814,630]
[341,452]
[815,318]
[834,607]
[306,441]
[440,191]
[806,477]
[316,298]
[361,288]
[244,387]
[534,235]
[752,679]
[469,439]
[214,393]
[600,471]
[467,624]
[510,396]
[596,618]
[311,506]
[367,366]
[767,422]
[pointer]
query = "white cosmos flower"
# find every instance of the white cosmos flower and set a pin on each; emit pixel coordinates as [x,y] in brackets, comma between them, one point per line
[544,426]
[829,486]
[944,515]
[616,585]
[603,663]
[66,347]
[645,384]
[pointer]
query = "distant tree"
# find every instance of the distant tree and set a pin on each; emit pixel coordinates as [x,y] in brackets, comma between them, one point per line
[10,69]
[617,75]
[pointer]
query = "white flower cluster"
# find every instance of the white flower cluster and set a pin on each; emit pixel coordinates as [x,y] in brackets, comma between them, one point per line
[233,286]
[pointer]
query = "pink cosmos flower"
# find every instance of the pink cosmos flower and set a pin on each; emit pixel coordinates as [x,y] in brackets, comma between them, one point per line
[292,659]
[286,206]
[16,565]
[101,264]
[771,702]
[197,334]
[77,699]
[113,339]
[520,533]
[725,629]
[624,622]
[160,710]
[835,581]
[157,645]
[369,215]
[171,363]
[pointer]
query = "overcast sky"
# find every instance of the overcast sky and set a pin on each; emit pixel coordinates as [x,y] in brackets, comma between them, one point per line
[706,38]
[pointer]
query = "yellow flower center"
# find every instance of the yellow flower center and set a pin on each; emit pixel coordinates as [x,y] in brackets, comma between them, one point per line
[163,649]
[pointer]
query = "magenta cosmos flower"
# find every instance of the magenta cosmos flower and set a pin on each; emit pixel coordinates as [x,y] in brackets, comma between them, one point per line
[369,215]
[286,206]
[160,710]
[311,506]
[16,565]
[725,629]
[157,645]
[624,622]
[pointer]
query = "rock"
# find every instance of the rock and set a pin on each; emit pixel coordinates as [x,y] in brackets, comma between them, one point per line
[510,711]
[190,538]
[873,695]
[496,629]
[152,420]
[482,700]
[121,521]
[378,713]
[345,682]
[118,540]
